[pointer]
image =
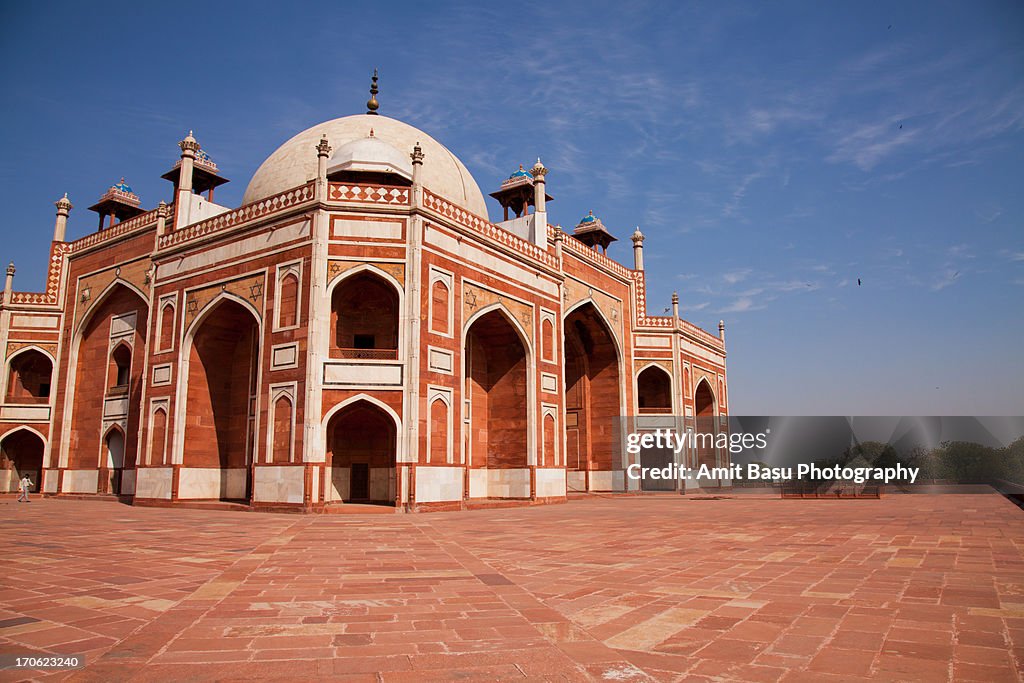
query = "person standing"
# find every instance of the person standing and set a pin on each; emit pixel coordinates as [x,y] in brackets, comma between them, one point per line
[25,485]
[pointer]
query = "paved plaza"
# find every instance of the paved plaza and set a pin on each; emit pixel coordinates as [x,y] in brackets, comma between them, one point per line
[627,589]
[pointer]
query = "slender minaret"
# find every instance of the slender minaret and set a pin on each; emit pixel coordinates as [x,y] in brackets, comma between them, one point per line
[721,330]
[638,249]
[161,218]
[371,104]
[183,202]
[540,209]
[323,152]
[189,146]
[9,283]
[417,171]
[675,305]
[60,226]
[538,172]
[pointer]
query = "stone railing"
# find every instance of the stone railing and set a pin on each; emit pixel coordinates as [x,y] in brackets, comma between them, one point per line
[53,278]
[118,230]
[666,322]
[487,229]
[595,257]
[258,209]
[700,333]
[368,194]
[365,354]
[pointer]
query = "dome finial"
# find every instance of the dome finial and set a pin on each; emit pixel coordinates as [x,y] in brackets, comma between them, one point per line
[372,105]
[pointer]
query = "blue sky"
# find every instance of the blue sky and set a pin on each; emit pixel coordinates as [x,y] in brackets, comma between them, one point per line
[771,154]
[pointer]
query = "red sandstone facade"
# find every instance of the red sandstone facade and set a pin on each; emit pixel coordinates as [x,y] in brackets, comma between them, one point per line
[357,331]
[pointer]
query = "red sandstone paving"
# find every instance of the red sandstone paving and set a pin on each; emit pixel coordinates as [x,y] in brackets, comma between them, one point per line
[642,588]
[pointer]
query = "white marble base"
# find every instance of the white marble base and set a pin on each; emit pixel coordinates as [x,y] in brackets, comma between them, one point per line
[203,483]
[435,484]
[153,482]
[550,482]
[80,481]
[278,484]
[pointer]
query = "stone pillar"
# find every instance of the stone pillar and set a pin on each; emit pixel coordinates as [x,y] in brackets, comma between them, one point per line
[161,218]
[721,330]
[60,226]
[417,171]
[189,146]
[638,249]
[675,306]
[9,284]
[323,152]
[539,171]
[414,259]
[540,218]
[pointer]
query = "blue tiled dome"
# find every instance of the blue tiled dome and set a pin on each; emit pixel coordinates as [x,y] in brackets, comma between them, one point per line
[589,218]
[520,173]
[122,187]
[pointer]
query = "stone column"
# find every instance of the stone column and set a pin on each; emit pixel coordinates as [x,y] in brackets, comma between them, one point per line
[540,218]
[60,226]
[638,249]
[414,259]
[161,218]
[323,152]
[189,146]
[9,284]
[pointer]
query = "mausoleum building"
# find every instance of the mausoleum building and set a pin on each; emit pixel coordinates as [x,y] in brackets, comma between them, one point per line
[358,330]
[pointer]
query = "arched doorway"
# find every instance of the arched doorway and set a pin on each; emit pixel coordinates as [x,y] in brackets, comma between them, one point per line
[496,386]
[654,391]
[21,453]
[704,412]
[361,454]
[114,460]
[592,395]
[364,318]
[223,359]
[109,357]
[29,378]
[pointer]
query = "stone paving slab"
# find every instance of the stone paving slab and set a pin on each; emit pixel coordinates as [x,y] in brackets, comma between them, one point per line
[632,589]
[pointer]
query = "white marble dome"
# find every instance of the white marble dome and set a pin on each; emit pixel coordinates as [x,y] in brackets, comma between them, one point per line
[294,162]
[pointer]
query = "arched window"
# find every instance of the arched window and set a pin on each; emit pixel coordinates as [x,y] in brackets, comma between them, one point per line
[120,368]
[549,456]
[364,318]
[439,297]
[158,438]
[654,390]
[167,327]
[438,431]
[547,335]
[288,301]
[282,430]
[29,380]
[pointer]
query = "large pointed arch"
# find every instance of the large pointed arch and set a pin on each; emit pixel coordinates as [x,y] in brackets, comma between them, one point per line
[705,405]
[94,338]
[219,368]
[499,433]
[654,390]
[22,452]
[362,450]
[29,360]
[395,287]
[594,395]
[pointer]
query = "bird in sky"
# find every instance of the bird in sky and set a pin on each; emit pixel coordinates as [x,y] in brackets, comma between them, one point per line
[858,282]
